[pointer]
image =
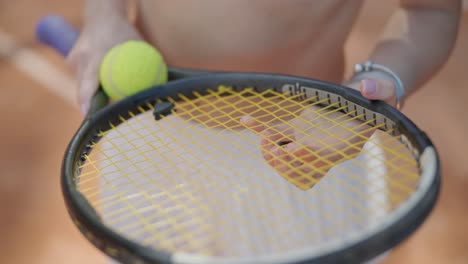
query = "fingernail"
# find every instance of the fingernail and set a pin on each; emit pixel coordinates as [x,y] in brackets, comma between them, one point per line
[246,119]
[290,147]
[370,87]
[275,150]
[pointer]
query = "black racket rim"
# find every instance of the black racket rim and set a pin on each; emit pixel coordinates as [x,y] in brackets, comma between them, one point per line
[128,251]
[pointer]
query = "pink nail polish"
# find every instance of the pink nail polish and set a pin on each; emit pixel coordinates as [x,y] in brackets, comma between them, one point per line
[370,87]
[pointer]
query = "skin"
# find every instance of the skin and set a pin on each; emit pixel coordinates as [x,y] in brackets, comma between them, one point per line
[297,37]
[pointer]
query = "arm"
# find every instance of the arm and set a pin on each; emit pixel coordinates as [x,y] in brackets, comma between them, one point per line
[416,43]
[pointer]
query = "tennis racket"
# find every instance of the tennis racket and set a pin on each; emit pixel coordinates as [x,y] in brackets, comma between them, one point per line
[244,168]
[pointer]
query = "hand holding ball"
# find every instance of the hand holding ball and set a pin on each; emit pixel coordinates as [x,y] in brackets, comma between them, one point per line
[131,67]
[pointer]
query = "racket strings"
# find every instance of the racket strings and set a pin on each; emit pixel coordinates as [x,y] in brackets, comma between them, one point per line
[175,225]
[195,190]
[131,209]
[193,117]
[338,135]
[170,185]
[135,212]
[336,122]
[171,197]
[332,148]
[322,112]
[285,230]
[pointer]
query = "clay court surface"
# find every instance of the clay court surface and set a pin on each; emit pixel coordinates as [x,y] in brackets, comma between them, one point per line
[37,98]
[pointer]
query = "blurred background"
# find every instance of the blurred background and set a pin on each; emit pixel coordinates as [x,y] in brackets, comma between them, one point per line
[38,95]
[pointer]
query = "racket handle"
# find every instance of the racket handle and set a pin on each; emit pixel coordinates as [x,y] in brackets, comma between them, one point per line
[56,32]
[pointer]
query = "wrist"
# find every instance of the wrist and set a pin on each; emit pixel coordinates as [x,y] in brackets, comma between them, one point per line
[102,12]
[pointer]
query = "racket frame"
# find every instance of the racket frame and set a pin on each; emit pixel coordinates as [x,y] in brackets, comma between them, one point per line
[406,220]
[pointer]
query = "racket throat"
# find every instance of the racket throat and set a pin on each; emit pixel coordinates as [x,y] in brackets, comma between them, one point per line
[162,109]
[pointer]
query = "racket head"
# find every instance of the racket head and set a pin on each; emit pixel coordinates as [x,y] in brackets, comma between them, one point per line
[398,224]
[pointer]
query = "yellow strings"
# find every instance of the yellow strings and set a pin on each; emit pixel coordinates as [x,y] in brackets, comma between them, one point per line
[123,181]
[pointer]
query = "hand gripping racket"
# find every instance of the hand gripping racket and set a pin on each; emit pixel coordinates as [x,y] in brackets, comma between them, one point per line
[245,168]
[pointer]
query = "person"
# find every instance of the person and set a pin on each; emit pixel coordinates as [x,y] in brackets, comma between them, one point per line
[298,37]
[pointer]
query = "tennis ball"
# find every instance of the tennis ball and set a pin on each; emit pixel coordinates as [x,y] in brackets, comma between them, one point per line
[131,67]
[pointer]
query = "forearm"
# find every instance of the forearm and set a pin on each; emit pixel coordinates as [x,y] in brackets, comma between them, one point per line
[417,42]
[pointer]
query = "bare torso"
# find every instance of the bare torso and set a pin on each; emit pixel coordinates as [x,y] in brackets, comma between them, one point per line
[300,37]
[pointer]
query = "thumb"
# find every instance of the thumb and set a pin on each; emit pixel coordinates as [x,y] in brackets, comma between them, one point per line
[378,89]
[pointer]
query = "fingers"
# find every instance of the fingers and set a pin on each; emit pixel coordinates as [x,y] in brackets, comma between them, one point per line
[91,47]
[86,67]
[272,142]
[88,84]
[273,137]
[298,165]
[252,124]
[378,89]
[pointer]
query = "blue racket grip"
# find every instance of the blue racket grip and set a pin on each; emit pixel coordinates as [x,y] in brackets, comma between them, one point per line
[56,32]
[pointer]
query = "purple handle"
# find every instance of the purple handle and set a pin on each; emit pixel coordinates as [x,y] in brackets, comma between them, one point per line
[57,33]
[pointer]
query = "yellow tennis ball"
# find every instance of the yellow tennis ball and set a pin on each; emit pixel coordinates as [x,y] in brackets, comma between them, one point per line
[131,67]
